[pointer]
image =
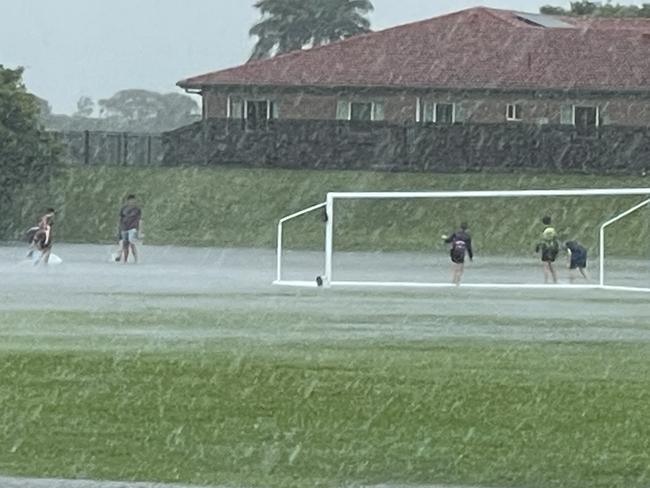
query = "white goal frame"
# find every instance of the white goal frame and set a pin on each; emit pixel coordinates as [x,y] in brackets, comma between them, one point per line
[327,279]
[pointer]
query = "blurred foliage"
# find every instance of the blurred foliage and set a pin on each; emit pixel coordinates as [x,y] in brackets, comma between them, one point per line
[126,111]
[598,9]
[290,25]
[85,107]
[28,154]
[236,207]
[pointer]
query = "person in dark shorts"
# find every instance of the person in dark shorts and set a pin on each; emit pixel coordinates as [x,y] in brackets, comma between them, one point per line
[42,238]
[460,245]
[577,260]
[548,248]
[130,220]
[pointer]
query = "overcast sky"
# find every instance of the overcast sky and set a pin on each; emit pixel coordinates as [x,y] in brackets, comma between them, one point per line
[72,48]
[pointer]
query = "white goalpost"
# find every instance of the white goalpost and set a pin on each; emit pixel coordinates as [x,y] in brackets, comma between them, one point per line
[601,240]
[326,277]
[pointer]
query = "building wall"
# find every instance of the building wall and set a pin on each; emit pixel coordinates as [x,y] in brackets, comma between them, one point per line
[214,104]
[401,106]
[306,106]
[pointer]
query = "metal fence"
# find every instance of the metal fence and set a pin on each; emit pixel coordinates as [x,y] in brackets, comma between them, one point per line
[111,148]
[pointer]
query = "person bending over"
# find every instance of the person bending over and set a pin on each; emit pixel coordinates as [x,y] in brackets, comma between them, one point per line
[577,260]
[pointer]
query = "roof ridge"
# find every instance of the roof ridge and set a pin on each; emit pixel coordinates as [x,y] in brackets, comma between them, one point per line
[472,47]
[348,40]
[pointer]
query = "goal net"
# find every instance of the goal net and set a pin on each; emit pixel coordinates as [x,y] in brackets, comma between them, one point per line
[394,239]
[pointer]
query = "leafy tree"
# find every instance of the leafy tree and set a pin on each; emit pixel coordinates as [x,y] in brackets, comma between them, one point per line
[85,107]
[44,107]
[289,25]
[143,110]
[178,110]
[130,111]
[584,7]
[587,8]
[28,154]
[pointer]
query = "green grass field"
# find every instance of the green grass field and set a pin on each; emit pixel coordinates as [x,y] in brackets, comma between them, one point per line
[242,396]
[239,207]
[192,368]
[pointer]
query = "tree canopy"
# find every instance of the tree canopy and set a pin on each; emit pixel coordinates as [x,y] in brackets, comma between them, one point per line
[28,154]
[132,110]
[289,25]
[85,107]
[597,9]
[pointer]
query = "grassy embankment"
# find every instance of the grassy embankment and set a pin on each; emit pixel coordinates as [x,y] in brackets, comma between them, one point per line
[240,207]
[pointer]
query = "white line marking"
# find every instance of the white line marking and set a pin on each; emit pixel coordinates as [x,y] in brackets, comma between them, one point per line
[17,482]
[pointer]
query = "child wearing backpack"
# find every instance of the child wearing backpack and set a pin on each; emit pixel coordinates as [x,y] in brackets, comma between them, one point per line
[461,244]
[548,248]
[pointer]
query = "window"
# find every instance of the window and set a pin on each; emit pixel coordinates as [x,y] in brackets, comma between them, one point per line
[585,117]
[444,113]
[257,110]
[440,113]
[566,114]
[377,111]
[513,111]
[361,111]
[253,110]
[428,111]
[368,111]
[235,109]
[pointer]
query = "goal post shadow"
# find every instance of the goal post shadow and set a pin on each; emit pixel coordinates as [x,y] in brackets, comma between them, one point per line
[326,280]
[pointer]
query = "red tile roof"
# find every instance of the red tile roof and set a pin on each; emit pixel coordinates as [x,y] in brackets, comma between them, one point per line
[473,48]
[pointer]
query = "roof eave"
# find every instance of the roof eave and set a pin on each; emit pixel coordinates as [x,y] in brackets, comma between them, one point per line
[200,87]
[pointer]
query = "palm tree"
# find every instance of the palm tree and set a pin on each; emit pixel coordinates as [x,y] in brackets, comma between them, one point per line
[289,25]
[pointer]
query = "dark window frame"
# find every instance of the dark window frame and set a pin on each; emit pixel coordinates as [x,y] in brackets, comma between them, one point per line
[513,112]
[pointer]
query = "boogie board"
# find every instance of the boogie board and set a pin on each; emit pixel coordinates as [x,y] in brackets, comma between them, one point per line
[36,258]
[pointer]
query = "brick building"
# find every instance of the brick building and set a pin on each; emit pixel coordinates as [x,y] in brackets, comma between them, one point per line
[477,65]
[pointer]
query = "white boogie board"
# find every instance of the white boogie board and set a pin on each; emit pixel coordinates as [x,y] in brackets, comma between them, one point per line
[54,259]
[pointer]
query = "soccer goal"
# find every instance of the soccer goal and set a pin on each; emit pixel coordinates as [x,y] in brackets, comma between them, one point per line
[394,226]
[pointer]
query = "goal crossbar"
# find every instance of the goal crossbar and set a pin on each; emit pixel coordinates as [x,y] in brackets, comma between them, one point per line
[327,277]
[491,193]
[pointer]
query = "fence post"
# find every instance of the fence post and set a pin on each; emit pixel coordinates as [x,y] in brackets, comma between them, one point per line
[149,150]
[204,143]
[125,142]
[86,147]
[117,138]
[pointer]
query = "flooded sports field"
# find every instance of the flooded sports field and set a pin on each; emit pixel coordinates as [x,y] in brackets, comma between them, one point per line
[241,279]
[192,369]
